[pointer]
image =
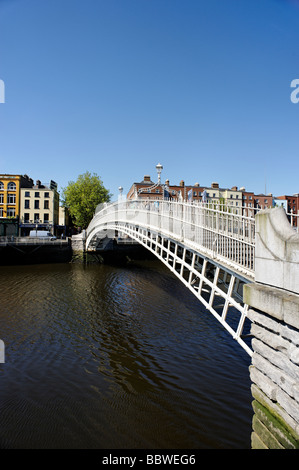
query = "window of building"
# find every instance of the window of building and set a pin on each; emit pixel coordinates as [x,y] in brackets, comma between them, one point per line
[36,204]
[27,193]
[11,199]
[11,186]
[11,212]
[1,185]
[27,204]
[1,212]
[1,198]
[36,194]
[26,217]
[46,204]
[36,218]
[47,195]
[46,218]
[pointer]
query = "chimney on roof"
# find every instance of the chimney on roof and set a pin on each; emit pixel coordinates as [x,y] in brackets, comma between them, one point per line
[235,188]
[147,179]
[182,183]
[215,185]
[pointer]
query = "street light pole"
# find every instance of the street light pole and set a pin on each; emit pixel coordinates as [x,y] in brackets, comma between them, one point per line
[159,169]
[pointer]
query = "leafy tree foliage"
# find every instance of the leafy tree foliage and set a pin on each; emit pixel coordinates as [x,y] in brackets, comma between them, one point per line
[81,197]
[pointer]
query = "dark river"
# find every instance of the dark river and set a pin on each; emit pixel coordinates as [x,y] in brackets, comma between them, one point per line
[116,357]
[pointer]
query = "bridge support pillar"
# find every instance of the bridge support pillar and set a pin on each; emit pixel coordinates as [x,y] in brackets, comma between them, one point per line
[273,302]
[274,370]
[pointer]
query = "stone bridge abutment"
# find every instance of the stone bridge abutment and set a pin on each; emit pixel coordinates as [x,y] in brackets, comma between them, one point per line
[273,301]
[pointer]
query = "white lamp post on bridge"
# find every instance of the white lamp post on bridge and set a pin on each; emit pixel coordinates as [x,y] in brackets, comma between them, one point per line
[164,187]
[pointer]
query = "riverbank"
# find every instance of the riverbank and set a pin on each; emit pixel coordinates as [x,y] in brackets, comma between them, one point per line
[62,251]
[19,254]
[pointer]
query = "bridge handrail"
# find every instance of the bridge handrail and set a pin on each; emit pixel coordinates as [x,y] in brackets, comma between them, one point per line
[225,234]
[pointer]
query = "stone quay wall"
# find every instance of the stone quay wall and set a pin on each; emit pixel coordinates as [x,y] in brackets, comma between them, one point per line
[274,312]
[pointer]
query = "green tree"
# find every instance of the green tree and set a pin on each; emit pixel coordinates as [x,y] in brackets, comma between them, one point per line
[81,197]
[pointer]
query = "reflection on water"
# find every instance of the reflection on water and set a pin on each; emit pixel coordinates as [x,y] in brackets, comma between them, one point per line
[110,357]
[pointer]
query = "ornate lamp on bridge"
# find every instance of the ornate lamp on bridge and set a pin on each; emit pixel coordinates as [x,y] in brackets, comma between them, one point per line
[120,196]
[165,190]
[159,169]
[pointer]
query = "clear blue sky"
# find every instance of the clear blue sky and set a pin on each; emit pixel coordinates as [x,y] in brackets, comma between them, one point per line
[116,86]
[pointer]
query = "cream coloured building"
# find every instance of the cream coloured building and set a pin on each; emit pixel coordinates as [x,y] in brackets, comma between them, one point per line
[39,208]
[233,199]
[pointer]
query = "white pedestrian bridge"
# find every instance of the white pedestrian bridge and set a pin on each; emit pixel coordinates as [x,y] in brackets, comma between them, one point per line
[210,249]
[245,270]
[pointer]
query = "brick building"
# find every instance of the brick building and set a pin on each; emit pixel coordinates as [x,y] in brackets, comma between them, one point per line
[214,195]
[263,201]
[236,200]
[292,207]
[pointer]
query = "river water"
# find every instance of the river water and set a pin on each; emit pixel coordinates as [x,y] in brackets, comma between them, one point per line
[116,357]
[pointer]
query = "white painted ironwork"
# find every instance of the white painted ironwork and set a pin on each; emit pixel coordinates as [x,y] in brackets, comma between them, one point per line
[209,249]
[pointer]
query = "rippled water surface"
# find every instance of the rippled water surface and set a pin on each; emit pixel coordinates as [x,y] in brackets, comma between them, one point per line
[110,357]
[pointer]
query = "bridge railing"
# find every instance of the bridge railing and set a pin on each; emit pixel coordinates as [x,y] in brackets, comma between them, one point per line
[214,230]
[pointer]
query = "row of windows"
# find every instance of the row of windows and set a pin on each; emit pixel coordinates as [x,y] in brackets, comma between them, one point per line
[199,194]
[36,204]
[258,201]
[11,198]
[36,218]
[10,212]
[37,194]
[11,186]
